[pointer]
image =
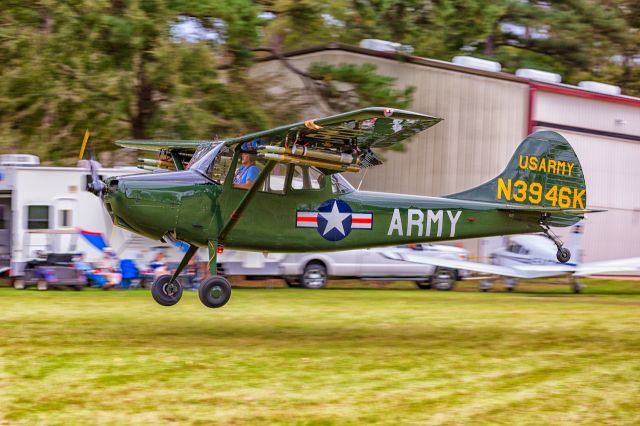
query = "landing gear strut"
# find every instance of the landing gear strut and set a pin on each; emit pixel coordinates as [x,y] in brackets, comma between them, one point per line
[563,254]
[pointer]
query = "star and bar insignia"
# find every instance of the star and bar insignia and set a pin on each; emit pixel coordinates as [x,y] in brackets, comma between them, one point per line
[334,220]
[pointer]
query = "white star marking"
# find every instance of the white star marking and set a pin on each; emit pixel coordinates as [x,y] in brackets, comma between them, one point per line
[334,219]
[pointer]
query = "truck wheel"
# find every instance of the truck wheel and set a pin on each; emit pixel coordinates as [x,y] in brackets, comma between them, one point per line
[444,279]
[314,276]
[18,284]
[42,285]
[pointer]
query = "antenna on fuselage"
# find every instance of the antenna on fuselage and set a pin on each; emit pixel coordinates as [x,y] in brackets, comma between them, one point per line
[364,175]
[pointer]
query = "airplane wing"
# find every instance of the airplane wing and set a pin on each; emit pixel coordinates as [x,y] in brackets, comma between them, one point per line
[485,268]
[532,271]
[353,133]
[161,144]
[631,264]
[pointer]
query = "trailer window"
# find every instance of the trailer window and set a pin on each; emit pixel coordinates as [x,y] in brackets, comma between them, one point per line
[38,217]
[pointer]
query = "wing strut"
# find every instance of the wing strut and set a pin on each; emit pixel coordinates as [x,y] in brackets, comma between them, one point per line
[235,215]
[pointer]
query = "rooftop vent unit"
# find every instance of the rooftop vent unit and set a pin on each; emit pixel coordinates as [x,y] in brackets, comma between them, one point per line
[19,160]
[594,86]
[537,75]
[385,46]
[477,63]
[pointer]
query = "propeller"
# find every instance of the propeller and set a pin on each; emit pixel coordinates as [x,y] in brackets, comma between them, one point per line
[96,186]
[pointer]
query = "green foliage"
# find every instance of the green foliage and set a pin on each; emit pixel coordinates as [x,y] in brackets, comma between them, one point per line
[114,66]
[368,87]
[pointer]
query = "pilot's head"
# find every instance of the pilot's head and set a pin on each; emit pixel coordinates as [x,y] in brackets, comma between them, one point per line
[246,159]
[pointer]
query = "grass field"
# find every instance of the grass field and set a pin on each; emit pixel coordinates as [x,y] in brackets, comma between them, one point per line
[343,356]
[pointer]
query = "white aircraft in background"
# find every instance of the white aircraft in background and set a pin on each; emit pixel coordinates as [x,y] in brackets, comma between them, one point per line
[534,256]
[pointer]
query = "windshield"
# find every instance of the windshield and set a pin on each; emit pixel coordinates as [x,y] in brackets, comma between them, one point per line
[212,160]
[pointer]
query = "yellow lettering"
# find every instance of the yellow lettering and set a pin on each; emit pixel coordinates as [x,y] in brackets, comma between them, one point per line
[542,166]
[552,195]
[551,166]
[564,197]
[561,164]
[536,193]
[577,198]
[504,189]
[521,195]
[533,163]
[570,167]
[526,162]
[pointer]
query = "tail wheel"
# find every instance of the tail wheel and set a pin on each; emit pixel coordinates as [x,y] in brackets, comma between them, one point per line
[563,255]
[165,291]
[444,279]
[215,292]
[314,276]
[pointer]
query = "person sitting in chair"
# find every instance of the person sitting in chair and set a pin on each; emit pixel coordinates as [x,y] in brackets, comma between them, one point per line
[247,173]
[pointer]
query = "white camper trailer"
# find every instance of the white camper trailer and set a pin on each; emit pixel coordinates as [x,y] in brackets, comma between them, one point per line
[48,210]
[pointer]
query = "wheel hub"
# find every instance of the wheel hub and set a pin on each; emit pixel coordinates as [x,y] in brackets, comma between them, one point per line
[170,288]
[216,292]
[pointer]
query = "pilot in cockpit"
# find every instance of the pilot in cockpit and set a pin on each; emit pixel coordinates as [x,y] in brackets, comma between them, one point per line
[247,173]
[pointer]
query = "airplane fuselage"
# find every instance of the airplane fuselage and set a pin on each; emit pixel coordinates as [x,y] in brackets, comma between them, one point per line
[194,210]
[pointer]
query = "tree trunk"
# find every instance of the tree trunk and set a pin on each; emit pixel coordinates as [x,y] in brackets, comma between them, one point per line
[144,102]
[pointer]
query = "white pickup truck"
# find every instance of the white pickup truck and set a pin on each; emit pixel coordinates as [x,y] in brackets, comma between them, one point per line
[311,270]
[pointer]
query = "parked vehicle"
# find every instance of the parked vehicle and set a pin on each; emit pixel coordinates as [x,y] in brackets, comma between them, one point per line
[57,270]
[311,270]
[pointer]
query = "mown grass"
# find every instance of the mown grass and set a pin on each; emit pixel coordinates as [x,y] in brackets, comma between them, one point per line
[344,356]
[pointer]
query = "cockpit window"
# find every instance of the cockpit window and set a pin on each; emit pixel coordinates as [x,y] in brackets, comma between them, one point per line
[340,185]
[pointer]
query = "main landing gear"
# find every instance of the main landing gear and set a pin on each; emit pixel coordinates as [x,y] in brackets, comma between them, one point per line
[563,254]
[214,292]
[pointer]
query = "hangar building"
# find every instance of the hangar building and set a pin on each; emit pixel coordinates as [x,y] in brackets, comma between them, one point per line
[486,115]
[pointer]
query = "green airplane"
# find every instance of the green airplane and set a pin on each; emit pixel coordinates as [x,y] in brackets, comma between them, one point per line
[280,191]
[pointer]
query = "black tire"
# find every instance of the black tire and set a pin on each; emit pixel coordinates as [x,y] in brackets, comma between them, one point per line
[444,279]
[314,276]
[563,255]
[214,292]
[424,285]
[165,292]
[292,282]
[577,287]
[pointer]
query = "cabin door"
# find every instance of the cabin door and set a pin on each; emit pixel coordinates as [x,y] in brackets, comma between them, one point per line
[64,223]
[5,229]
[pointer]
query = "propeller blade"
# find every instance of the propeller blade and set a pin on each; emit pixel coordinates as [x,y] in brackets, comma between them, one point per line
[84,143]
